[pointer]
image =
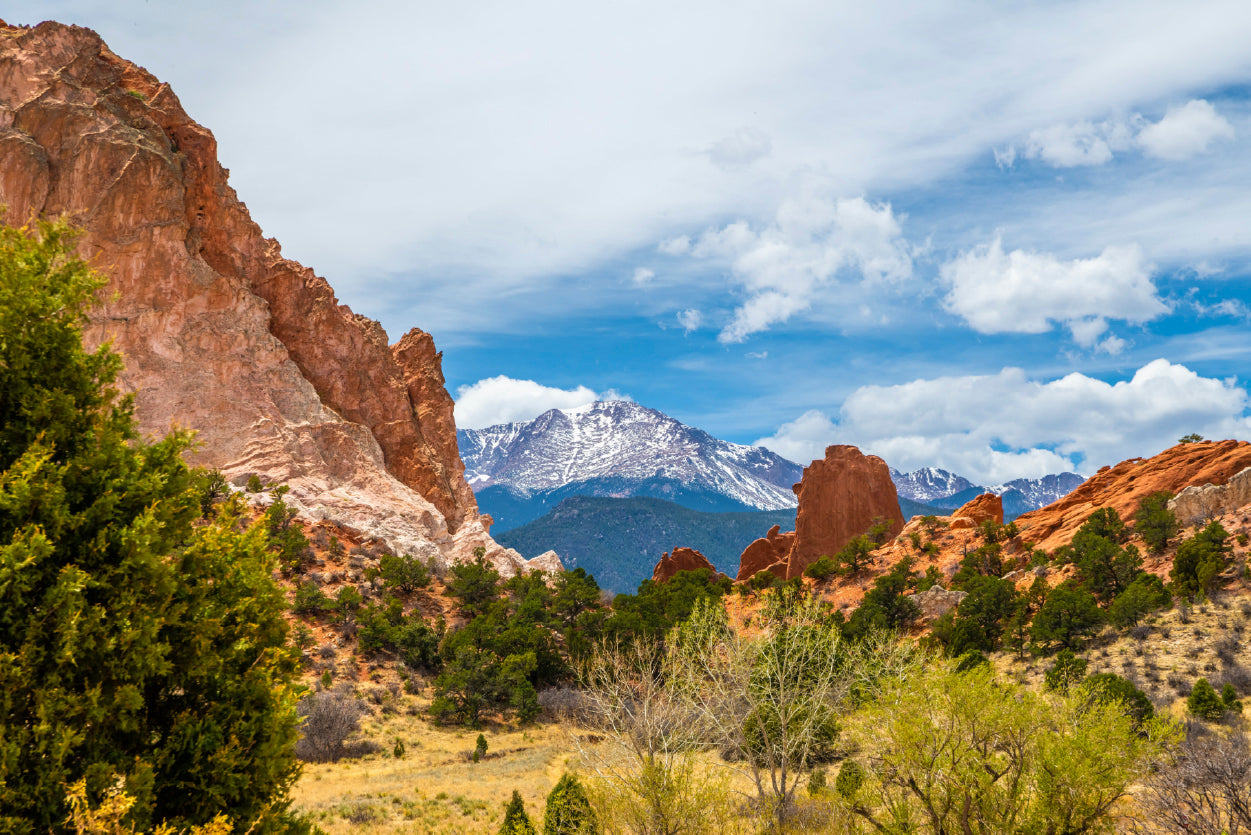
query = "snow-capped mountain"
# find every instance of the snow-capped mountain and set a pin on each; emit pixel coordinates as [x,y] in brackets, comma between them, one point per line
[928,483]
[947,490]
[619,448]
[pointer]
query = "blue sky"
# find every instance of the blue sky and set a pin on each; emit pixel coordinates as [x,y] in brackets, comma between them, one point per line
[1003,239]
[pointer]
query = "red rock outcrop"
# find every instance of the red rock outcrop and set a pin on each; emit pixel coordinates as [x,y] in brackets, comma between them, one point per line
[840,496]
[682,559]
[770,553]
[1124,486]
[219,332]
[981,508]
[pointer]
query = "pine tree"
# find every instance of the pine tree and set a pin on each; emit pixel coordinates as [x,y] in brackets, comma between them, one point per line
[568,812]
[135,640]
[1204,703]
[516,821]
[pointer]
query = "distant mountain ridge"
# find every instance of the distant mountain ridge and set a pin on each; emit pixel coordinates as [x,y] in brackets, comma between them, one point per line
[619,449]
[946,490]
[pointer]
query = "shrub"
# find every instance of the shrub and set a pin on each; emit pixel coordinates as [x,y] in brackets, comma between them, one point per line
[1068,614]
[822,569]
[311,600]
[568,812]
[970,660]
[1154,522]
[851,776]
[854,556]
[817,783]
[1204,703]
[1229,697]
[404,574]
[1109,686]
[1067,670]
[330,717]
[516,821]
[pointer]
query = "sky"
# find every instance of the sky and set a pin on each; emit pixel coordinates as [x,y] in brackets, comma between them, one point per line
[1002,239]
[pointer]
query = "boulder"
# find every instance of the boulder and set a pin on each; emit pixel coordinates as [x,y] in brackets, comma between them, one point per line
[1196,505]
[937,601]
[984,507]
[769,553]
[682,559]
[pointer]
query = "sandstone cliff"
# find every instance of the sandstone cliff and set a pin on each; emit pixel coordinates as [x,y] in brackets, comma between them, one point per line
[219,332]
[1124,486]
[840,497]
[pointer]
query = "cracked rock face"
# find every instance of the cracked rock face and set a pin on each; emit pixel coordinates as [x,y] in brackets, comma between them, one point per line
[219,332]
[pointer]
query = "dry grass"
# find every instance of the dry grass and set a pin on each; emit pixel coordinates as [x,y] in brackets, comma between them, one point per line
[434,787]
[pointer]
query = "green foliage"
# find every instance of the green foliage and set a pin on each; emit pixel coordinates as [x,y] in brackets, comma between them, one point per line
[404,574]
[1067,671]
[879,531]
[885,606]
[568,812]
[1107,523]
[1204,703]
[968,753]
[134,641]
[474,584]
[1200,560]
[851,776]
[1192,438]
[286,539]
[823,569]
[1068,615]
[516,821]
[1141,597]
[984,561]
[979,622]
[761,580]
[1229,697]
[387,629]
[1154,522]
[658,607]
[971,660]
[311,600]
[1108,687]
[480,748]
[932,578]
[1106,568]
[347,601]
[854,556]
[254,484]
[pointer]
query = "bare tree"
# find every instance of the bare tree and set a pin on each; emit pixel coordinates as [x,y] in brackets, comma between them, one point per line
[643,743]
[1205,790]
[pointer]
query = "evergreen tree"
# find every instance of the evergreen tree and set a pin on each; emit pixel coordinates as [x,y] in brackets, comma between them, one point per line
[1154,522]
[134,640]
[516,821]
[1200,560]
[568,812]
[1204,703]
[1068,614]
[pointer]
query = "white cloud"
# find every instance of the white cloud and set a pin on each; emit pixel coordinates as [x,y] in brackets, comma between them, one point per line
[811,241]
[690,320]
[1029,292]
[1065,146]
[1185,131]
[993,428]
[741,148]
[642,275]
[1005,157]
[506,400]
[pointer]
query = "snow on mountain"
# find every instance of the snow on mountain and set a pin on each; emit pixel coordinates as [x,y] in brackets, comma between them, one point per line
[624,443]
[930,485]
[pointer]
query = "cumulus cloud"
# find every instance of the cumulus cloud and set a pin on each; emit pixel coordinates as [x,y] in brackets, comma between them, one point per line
[1065,146]
[811,242]
[1030,292]
[993,428]
[1185,131]
[642,275]
[740,149]
[690,320]
[503,399]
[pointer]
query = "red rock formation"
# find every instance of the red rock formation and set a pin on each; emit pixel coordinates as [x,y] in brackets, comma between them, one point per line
[1124,486]
[770,553]
[219,332]
[840,497]
[981,508]
[682,559]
